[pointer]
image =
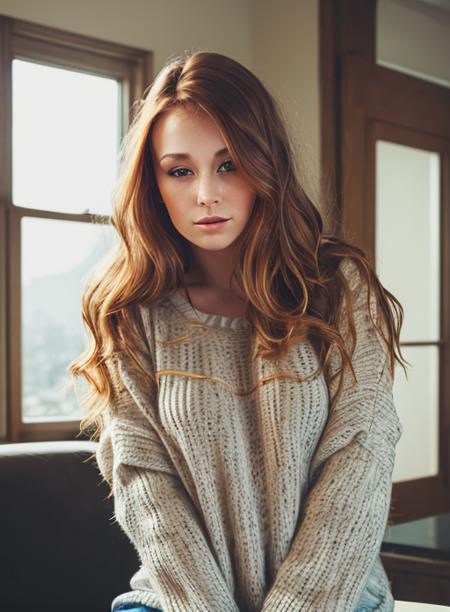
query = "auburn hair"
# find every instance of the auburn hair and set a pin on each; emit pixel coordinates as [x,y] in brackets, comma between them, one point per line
[285,264]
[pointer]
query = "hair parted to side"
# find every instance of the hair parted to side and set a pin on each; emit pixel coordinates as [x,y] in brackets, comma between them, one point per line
[285,264]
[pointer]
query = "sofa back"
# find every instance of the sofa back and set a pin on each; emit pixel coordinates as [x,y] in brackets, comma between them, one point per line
[60,546]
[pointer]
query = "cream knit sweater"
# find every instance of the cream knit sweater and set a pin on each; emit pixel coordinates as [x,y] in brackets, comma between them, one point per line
[272,501]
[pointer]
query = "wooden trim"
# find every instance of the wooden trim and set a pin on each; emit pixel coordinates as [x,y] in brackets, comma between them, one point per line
[5,111]
[329,102]
[424,343]
[356,23]
[14,327]
[417,579]
[77,59]
[346,27]
[3,325]
[5,198]
[87,44]
[444,395]
[431,497]
[393,97]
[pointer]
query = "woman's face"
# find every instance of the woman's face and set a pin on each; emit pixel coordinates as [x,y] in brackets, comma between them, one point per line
[200,180]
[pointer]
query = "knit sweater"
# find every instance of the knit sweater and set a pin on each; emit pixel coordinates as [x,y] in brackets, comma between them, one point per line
[272,499]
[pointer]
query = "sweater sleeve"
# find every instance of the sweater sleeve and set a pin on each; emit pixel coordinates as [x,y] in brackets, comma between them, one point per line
[343,520]
[151,503]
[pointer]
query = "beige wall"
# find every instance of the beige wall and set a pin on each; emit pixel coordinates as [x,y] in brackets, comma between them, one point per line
[414,37]
[163,26]
[278,41]
[285,55]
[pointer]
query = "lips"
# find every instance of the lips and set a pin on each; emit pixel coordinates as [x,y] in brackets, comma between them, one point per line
[207,220]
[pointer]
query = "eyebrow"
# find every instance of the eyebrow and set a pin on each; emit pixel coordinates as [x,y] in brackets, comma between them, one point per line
[187,156]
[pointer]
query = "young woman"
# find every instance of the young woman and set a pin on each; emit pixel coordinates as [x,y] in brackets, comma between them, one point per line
[239,373]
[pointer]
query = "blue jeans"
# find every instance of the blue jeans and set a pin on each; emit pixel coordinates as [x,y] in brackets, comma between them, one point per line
[366,604]
[136,607]
[370,601]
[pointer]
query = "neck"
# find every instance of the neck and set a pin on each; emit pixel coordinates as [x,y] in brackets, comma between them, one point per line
[212,269]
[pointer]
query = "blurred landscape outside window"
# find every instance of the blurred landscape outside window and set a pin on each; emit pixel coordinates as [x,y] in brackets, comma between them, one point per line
[66,139]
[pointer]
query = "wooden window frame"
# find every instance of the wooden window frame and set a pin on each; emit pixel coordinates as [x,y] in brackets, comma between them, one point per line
[133,68]
[352,102]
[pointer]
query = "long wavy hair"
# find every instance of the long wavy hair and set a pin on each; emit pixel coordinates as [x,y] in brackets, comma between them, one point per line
[285,264]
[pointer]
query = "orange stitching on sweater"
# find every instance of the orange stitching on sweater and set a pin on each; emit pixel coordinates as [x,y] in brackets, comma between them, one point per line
[263,381]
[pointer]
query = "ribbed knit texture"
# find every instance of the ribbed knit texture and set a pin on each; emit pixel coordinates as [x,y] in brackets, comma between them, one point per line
[272,501]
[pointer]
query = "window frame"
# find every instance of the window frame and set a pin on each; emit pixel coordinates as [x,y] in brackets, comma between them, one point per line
[133,68]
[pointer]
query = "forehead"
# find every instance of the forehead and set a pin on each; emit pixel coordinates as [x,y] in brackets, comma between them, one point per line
[182,128]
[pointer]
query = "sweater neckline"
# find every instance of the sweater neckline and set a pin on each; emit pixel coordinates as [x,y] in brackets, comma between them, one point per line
[214,320]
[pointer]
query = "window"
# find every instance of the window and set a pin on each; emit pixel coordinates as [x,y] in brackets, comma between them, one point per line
[67,101]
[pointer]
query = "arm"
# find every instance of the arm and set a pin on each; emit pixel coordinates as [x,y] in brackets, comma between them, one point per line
[153,507]
[345,513]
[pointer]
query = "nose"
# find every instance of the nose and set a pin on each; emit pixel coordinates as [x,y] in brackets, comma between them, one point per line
[208,193]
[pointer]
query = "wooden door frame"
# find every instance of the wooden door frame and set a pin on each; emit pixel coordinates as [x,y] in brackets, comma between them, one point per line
[353,92]
[347,27]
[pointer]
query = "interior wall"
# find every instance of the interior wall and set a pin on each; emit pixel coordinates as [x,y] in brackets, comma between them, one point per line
[285,55]
[414,37]
[162,26]
[279,42]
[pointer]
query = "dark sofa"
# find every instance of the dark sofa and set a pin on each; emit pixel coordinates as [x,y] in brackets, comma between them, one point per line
[61,549]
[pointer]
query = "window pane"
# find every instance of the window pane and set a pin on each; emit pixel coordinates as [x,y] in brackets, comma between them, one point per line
[417,403]
[408,234]
[57,258]
[66,134]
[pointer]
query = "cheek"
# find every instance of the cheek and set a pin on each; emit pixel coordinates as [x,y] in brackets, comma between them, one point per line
[250,203]
[164,186]
[244,194]
[175,211]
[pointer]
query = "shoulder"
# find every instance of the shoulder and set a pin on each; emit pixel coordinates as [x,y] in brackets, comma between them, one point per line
[135,337]
[351,270]
[361,287]
[360,298]
[142,322]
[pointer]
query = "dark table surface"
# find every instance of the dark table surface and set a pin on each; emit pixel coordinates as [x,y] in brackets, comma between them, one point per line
[428,537]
